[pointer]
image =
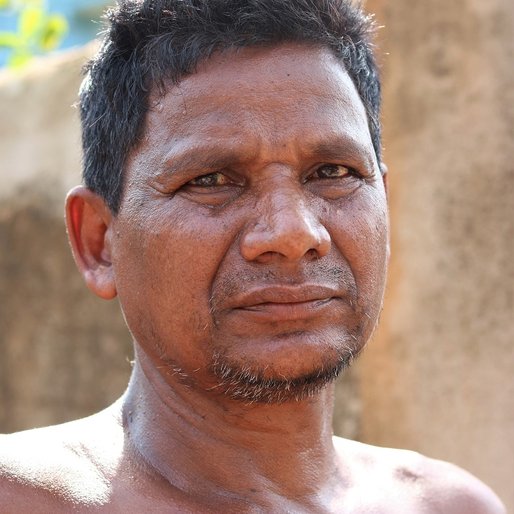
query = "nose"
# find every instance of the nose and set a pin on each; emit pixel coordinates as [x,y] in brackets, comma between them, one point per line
[283,225]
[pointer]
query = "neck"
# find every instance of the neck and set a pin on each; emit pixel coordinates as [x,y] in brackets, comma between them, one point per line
[207,445]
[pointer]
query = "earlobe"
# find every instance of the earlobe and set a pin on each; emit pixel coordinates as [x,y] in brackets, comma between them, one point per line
[88,221]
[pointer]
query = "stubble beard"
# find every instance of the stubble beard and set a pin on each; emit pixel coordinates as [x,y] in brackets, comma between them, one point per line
[250,384]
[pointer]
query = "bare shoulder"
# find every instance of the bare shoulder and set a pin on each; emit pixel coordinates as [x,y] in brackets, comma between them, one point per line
[429,485]
[59,468]
[449,488]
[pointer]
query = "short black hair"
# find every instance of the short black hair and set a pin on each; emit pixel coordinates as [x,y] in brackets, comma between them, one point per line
[150,41]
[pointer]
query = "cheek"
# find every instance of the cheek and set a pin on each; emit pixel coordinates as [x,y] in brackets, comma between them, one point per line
[165,266]
[361,235]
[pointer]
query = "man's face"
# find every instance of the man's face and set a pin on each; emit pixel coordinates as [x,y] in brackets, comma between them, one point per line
[250,248]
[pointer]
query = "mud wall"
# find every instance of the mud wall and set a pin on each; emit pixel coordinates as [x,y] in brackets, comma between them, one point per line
[439,376]
[63,353]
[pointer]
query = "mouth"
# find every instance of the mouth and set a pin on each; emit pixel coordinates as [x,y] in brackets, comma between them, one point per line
[291,311]
[280,303]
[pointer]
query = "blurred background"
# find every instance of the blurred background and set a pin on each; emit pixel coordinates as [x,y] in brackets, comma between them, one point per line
[29,27]
[438,377]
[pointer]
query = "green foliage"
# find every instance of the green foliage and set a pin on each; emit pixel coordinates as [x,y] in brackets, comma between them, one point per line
[38,31]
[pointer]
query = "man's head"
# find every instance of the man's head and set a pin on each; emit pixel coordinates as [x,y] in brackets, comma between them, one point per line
[151,41]
[248,244]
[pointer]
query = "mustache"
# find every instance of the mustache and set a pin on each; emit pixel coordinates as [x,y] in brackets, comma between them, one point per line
[226,286]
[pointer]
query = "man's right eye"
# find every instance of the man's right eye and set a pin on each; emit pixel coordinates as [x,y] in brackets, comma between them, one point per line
[210,180]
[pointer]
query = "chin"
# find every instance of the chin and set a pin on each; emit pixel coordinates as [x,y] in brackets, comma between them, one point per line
[291,367]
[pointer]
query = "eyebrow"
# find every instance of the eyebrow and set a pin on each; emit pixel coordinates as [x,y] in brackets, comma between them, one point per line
[212,158]
[345,147]
[199,157]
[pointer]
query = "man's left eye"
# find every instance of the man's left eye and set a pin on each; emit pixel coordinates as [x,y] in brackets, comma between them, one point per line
[210,180]
[333,171]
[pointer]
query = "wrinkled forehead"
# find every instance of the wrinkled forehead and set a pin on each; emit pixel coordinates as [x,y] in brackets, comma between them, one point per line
[283,92]
[295,58]
[296,70]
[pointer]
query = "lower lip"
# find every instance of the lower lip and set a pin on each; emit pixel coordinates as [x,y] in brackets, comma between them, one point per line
[268,312]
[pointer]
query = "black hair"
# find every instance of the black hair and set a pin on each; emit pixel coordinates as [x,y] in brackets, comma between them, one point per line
[150,41]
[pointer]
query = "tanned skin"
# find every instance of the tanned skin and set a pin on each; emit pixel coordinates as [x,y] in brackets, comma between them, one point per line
[249,258]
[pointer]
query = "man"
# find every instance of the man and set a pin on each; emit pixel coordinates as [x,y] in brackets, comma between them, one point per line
[235,203]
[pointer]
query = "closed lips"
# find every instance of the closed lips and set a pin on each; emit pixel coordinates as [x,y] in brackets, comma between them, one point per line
[313,294]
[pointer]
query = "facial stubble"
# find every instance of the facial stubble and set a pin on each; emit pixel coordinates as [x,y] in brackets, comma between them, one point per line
[253,384]
[259,381]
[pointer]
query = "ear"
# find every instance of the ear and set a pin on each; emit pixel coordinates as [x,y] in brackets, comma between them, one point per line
[88,221]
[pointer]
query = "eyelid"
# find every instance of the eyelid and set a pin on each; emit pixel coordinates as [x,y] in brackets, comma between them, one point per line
[359,170]
[351,171]
[200,177]
[231,179]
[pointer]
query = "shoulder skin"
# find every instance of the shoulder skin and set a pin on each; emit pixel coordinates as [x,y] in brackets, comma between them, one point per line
[409,482]
[60,468]
[47,470]
[452,490]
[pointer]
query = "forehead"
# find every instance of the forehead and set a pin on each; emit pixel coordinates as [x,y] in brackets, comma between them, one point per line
[292,93]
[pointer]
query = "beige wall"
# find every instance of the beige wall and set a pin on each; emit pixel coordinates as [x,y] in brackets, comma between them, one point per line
[63,353]
[438,375]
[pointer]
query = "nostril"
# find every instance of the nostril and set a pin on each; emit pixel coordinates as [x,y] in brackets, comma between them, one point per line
[265,258]
[312,254]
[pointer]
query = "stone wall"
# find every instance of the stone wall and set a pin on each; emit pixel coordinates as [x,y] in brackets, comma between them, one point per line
[438,376]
